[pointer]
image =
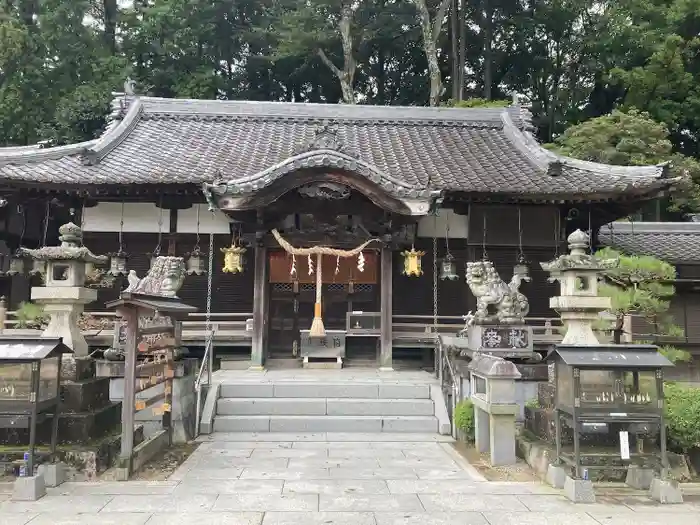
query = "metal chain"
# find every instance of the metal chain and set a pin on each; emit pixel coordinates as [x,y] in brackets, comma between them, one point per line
[156,252]
[435,276]
[557,234]
[196,245]
[46,222]
[484,253]
[121,230]
[209,279]
[521,255]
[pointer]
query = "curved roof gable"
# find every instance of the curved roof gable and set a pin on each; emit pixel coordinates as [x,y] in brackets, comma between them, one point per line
[485,151]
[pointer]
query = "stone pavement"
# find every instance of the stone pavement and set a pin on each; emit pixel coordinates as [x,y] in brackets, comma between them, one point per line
[329,479]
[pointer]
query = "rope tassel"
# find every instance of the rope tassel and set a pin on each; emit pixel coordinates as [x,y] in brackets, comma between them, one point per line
[317,328]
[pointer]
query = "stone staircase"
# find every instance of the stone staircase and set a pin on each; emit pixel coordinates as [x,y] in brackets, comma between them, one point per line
[341,406]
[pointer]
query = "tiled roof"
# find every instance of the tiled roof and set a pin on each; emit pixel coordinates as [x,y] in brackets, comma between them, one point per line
[674,242]
[482,151]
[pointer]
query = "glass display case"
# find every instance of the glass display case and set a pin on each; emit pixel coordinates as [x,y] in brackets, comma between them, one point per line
[609,397]
[30,376]
[363,323]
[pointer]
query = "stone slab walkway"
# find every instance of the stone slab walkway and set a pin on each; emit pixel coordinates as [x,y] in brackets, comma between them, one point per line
[329,479]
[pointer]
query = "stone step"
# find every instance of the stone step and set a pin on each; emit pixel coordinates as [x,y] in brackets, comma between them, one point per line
[368,424]
[319,407]
[322,390]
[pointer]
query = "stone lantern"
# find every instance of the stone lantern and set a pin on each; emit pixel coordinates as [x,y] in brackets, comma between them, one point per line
[578,303]
[64,294]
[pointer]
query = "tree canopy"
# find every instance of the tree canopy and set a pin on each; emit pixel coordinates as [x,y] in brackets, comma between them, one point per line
[575,60]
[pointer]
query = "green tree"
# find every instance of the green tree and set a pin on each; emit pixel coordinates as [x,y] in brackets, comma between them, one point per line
[641,285]
[632,138]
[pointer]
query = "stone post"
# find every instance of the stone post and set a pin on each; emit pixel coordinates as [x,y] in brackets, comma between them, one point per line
[495,407]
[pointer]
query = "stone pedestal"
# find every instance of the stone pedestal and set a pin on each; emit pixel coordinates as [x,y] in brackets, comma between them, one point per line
[54,474]
[29,488]
[65,305]
[639,478]
[664,491]
[482,430]
[556,476]
[501,340]
[579,490]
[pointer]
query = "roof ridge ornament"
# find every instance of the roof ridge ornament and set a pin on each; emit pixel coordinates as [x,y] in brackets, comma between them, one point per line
[326,136]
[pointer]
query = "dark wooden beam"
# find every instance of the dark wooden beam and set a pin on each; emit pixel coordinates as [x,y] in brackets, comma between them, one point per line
[386,307]
[257,357]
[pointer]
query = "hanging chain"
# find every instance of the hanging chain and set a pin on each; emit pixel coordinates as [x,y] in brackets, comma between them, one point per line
[435,276]
[557,234]
[46,222]
[447,237]
[21,210]
[121,230]
[521,255]
[484,254]
[209,278]
[196,244]
[590,233]
[156,252]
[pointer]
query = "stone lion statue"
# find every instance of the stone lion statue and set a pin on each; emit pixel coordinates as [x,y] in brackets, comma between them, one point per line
[165,278]
[489,289]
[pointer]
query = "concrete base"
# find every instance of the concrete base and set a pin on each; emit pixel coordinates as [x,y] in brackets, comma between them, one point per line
[30,488]
[324,365]
[664,491]
[579,490]
[639,478]
[556,476]
[54,474]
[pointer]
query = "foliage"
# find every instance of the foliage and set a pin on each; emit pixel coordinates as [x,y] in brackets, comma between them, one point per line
[631,138]
[640,285]
[675,355]
[682,411]
[464,418]
[478,103]
[634,63]
[533,403]
[30,315]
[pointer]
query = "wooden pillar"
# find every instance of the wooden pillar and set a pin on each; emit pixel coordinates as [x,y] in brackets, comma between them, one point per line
[129,316]
[257,357]
[385,343]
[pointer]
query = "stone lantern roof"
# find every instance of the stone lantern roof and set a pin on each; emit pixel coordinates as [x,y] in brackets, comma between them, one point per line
[71,248]
[578,259]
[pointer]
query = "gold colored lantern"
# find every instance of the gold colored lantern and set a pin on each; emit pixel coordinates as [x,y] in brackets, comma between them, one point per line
[412,266]
[233,259]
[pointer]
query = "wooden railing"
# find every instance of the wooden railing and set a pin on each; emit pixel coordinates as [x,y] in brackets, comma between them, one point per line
[230,329]
[545,330]
[236,329]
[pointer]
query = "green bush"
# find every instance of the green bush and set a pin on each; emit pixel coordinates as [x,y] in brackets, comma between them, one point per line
[682,416]
[30,315]
[464,418]
[533,403]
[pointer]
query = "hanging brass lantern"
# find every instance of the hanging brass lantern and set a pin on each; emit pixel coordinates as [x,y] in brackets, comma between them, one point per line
[16,264]
[521,269]
[38,267]
[195,262]
[448,268]
[412,266]
[117,263]
[233,259]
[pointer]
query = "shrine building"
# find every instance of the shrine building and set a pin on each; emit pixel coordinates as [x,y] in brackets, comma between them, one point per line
[384,190]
